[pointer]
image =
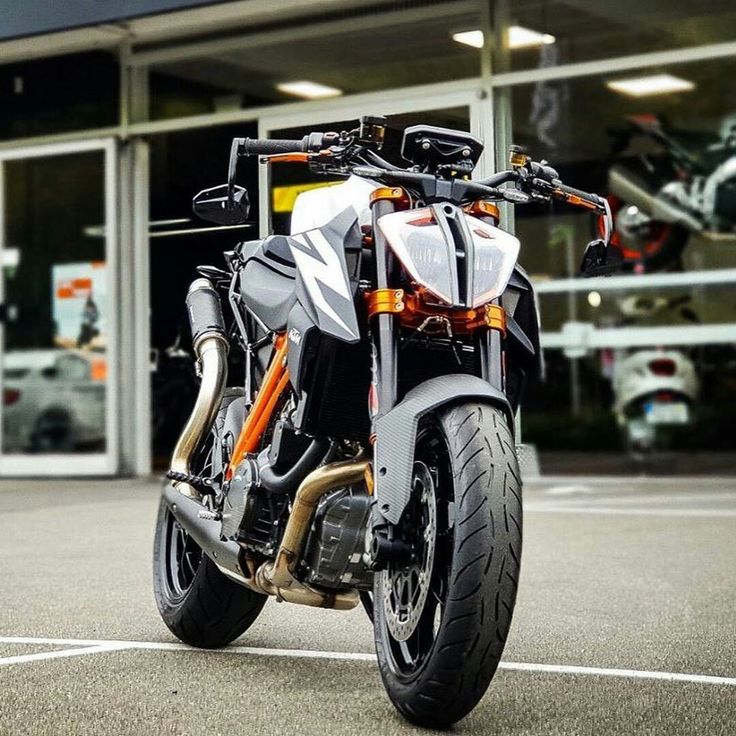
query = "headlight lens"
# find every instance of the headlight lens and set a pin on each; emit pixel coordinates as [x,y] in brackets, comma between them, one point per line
[495,256]
[432,261]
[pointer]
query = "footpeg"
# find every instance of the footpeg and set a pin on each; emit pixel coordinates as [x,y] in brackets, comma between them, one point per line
[208,515]
[203,485]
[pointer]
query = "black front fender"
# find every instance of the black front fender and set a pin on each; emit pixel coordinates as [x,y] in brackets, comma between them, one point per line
[396,433]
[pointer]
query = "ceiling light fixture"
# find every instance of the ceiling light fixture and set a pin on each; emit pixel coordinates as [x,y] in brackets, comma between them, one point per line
[524,38]
[653,84]
[469,38]
[518,38]
[308,90]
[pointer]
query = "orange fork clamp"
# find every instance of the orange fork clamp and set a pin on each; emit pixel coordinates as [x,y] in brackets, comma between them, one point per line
[385,301]
[394,194]
[413,311]
[274,383]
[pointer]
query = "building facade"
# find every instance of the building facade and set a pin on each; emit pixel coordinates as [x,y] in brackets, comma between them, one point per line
[113,115]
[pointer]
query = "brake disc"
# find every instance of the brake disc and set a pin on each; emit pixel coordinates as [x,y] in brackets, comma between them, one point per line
[405,589]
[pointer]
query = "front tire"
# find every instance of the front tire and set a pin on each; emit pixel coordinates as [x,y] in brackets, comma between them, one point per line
[436,663]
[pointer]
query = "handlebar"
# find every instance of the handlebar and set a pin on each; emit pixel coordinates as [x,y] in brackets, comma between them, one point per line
[312,143]
[341,154]
[271,146]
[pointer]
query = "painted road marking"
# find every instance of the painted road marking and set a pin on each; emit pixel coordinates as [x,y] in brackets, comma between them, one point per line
[568,490]
[620,511]
[98,646]
[62,653]
[653,498]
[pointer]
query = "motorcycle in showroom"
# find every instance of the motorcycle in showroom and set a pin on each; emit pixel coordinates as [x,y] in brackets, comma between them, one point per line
[369,455]
[680,188]
[654,391]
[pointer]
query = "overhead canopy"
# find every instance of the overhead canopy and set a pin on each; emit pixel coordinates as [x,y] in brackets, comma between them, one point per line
[32,17]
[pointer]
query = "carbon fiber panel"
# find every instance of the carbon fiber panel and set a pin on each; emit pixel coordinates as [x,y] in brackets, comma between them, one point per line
[396,434]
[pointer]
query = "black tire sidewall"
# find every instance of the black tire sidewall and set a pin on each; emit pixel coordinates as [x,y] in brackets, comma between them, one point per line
[469,643]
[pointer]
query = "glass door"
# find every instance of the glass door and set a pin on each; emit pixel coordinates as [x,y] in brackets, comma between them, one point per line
[58,234]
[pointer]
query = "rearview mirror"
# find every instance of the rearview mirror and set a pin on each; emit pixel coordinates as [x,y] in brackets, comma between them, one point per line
[223,205]
[600,259]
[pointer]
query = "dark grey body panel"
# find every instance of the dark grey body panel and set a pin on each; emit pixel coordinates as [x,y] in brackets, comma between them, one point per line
[309,269]
[268,292]
[324,287]
[522,317]
[397,429]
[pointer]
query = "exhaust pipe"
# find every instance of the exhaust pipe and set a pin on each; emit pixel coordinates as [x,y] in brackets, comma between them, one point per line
[277,577]
[211,347]
[629,188]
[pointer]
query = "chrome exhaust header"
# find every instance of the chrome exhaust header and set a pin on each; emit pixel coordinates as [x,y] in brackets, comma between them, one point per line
[277,577]
[211,348]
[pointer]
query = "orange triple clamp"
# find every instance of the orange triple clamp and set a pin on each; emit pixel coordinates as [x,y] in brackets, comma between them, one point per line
[385,301]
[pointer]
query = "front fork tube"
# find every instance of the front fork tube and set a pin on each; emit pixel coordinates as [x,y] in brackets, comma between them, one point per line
[385,339]
[490,346]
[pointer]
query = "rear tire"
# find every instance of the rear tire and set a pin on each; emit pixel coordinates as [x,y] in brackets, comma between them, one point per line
[437,675]
[197,602]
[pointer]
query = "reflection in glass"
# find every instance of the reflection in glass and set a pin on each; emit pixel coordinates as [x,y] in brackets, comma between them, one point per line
[54,356]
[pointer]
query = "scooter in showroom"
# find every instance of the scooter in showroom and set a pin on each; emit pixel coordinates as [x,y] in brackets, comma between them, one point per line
[369,455]
[654,392]
[680,185]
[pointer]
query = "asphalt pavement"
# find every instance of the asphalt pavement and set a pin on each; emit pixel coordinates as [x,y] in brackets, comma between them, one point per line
[625,624]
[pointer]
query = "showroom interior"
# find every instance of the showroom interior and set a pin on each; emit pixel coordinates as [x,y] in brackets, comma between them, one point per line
[108,129]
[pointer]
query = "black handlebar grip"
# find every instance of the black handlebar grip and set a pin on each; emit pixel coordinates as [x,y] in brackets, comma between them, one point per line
[270,146]
[588,196]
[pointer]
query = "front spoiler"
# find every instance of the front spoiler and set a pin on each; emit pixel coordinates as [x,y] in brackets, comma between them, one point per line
[396,433]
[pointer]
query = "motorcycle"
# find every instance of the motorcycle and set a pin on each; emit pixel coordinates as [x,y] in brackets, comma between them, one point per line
[369,456]
[654,391]
[684,190]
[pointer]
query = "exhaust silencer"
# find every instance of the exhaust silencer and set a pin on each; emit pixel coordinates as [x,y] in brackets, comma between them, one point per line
[626,186]
[211,347]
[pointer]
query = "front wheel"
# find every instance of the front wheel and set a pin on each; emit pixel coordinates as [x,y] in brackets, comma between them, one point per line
[442,618]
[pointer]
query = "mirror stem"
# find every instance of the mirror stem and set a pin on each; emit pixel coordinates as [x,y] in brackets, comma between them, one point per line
[235,148]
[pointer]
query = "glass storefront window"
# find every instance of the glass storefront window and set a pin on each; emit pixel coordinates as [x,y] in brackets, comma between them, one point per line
[674,146]
[56,337]
[59,95]
[544,33]
[370,50]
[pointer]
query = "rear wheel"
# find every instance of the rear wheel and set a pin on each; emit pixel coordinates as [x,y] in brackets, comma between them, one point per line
[199,604]
[442,618]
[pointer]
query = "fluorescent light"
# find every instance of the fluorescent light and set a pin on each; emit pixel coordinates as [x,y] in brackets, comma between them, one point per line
[523,38]
[519,38]
[654,84]
[310,90]
[469,38]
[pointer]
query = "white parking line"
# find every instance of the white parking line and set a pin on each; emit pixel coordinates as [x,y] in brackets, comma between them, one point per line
[61,653]
[649,499]
[97,646]
[620,511]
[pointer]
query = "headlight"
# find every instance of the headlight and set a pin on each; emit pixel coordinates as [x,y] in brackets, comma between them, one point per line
[460,259]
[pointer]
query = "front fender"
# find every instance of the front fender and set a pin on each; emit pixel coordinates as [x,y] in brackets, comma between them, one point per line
[396,433]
